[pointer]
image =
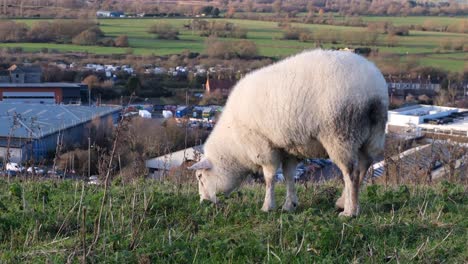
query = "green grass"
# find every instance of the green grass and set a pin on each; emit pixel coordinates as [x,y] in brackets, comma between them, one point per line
[161,222]
[267,36]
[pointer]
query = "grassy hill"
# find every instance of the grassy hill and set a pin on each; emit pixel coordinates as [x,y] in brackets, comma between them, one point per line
[425,45]
[163,222]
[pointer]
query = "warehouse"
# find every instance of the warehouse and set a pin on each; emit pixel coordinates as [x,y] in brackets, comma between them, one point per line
[429,119]
[44,93]
[33,130]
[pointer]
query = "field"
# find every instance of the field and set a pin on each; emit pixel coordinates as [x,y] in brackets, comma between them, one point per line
[162,222]
[267,35]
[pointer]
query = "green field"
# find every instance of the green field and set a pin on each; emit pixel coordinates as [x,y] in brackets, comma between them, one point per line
[163,222]
[266,35]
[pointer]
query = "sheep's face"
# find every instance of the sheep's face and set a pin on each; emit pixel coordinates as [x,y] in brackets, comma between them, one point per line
[207,180]
[206,186]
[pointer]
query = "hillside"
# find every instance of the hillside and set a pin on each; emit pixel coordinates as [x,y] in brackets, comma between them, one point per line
[163,222]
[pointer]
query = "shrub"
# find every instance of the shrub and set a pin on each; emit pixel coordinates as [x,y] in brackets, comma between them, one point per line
[121,41]
[293,33]
[164,31]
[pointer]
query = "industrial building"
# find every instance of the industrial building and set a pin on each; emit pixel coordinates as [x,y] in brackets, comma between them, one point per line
[43,93]
[34,130]
[429,119]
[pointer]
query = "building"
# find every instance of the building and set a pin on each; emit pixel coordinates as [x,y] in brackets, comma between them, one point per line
[160,166]
[224,86]
[103,13]
[21,74]
[45,93]
[429,119]
[34,130]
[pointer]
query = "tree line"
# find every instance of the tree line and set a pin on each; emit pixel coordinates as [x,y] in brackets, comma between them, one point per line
[80,32]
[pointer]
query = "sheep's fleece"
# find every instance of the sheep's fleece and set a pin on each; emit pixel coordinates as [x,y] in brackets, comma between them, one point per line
[315,104]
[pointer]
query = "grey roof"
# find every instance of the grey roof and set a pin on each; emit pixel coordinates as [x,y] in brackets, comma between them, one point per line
[27,69]
[39,120]
[42,85]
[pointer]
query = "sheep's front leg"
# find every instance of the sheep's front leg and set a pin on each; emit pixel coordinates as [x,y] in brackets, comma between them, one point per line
[289,171]
[269,175]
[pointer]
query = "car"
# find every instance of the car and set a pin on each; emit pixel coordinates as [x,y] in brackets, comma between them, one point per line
[94,180]
[36,170]
[12,166]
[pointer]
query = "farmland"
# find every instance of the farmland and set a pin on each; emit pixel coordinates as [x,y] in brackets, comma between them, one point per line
[163,222]
[424,45]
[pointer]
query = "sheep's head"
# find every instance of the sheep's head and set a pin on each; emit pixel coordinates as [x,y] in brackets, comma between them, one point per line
[207,180]
[213,179]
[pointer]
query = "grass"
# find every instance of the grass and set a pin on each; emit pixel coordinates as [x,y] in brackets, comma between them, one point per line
[267,35]
[161,222]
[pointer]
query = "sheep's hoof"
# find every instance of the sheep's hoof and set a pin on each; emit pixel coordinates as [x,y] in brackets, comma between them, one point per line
[347,213]
[340,203]
[268,207]
[289,206]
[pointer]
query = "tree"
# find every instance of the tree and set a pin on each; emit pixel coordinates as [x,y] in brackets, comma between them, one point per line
[11,31]
[92,81]
[245,49]
[133,85]
[277,6]
[88,37]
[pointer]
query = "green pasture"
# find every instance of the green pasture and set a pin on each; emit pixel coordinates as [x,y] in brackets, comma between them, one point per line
[59,221]
[267,35]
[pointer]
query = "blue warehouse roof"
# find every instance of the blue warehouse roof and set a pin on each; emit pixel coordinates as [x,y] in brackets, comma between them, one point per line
[39,120]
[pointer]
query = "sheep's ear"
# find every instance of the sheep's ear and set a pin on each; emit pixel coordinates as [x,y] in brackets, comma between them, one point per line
[203,164]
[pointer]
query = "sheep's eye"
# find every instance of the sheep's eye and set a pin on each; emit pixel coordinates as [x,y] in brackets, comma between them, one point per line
[199,176]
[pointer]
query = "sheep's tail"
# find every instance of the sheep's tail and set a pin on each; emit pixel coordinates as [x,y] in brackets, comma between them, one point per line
[377,116]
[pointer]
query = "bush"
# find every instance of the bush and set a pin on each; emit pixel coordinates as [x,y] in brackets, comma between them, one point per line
[121,41]
[244,49]
[106,42]
[164,31]
[293,33]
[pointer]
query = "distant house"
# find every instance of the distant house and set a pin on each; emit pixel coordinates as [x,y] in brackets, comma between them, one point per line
[103,13]
[21,74]
[222,85]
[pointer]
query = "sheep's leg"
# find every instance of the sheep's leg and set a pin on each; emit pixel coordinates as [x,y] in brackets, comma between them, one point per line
[346,158]
[289,170]
[340,202]
[364,163]
[269,173]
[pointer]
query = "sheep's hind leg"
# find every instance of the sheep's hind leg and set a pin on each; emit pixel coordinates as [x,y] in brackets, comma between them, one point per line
[365,161]
[289,169]
[269,173]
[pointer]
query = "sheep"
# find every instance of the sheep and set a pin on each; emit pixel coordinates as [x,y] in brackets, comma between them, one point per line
[318,103]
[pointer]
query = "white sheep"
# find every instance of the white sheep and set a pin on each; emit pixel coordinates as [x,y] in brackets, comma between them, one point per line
[309,105]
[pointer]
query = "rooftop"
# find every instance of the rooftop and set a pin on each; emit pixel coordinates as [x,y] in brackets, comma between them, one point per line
[39,120]
[42,85]
[422,110]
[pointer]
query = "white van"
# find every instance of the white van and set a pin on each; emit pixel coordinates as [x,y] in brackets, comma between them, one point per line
[12,166]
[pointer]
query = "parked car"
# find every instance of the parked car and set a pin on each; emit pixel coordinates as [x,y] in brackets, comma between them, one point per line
[94,180]
[36,170]
[12,166]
